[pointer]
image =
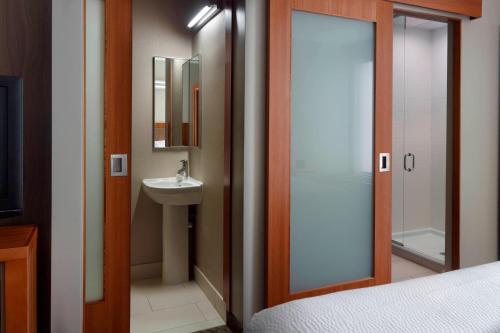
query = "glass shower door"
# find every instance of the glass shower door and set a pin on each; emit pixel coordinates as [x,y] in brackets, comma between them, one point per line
[420,136]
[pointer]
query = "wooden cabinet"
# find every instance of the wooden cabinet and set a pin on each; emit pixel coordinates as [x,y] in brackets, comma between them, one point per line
[18,254]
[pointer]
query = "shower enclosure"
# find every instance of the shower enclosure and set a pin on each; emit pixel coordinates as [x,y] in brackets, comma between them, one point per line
[421,144]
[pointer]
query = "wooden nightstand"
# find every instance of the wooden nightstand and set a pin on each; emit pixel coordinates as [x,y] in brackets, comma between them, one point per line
[18,253]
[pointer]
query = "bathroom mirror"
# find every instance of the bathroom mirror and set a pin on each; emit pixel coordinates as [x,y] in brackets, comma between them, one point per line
[176,102]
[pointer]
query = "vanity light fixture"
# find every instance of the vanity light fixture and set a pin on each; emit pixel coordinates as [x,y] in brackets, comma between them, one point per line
[203,16]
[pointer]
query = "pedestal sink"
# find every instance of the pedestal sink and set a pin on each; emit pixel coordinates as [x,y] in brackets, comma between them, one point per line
[174,196]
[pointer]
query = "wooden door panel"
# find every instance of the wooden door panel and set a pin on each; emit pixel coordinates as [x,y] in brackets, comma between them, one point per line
[112,314]
[383,141]
[361,10]
[279,140]
[278,171]
[472,8]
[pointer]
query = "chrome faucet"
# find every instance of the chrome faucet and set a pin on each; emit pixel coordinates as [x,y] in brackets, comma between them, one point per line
[182,174]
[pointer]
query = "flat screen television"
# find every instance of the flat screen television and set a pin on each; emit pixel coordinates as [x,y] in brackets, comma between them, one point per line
[11,146]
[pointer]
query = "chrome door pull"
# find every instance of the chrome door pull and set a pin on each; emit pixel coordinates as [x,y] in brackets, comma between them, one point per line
[405,165]
[119,165]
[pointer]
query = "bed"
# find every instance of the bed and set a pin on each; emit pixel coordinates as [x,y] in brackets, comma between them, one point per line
[466,300]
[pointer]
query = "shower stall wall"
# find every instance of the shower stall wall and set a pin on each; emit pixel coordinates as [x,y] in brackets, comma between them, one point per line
[420,105]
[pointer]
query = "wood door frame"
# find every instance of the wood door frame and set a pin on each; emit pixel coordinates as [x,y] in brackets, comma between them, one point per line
[118,113]
[117,140]
[278,135]
[470,8]
[453,226]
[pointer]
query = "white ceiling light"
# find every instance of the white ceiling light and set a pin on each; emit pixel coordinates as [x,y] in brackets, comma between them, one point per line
[198,16]
[203,16]
[208,15]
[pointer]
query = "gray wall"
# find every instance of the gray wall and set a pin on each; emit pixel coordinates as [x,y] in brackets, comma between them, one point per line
[67,177]
[207,162]
[159,29]
[480,108]
[254,160]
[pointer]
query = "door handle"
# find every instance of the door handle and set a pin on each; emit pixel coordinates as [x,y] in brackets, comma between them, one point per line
[384,162]
[119,165]
[405,164]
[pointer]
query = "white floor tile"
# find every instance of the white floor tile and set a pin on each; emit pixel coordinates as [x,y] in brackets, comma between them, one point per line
[208,310]
[149,286]
[403,269]
[194,290]
[139,304]
[166,319]
[166,297]
[204,325]
[156,308]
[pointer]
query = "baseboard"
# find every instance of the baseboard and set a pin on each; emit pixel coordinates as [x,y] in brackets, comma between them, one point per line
[145,271]
[212,294]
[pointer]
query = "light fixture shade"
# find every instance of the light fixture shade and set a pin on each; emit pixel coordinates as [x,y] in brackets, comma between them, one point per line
[198,16]
[207,16]
[203,16]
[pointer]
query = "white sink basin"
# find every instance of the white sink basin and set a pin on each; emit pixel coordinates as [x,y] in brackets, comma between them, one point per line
[168,191]
[175,197]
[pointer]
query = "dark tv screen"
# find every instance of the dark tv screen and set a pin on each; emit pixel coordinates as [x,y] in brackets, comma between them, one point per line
[11,152]
[3,142]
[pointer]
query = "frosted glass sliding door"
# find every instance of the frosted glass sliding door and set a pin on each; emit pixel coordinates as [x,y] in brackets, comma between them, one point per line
[329,125]
[332,140]
[94,150]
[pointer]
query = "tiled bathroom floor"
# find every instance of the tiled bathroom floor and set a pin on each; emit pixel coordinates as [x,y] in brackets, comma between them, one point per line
[403,269]
[182,308]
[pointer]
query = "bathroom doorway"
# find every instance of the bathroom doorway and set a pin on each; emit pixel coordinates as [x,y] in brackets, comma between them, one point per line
[158,113]
[426,146]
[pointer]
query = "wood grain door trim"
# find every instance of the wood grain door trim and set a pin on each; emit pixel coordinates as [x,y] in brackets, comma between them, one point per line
[112,314]
[383,141]
[471,8]
[278,140]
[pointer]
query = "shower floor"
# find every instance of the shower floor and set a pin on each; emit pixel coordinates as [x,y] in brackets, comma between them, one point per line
[427,242]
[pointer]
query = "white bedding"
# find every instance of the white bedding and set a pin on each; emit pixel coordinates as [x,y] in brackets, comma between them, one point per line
[467,300]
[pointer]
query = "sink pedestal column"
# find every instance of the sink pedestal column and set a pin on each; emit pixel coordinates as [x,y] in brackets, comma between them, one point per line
[175,268]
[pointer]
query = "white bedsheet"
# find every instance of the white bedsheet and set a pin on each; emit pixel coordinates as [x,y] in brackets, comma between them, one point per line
[467,300]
